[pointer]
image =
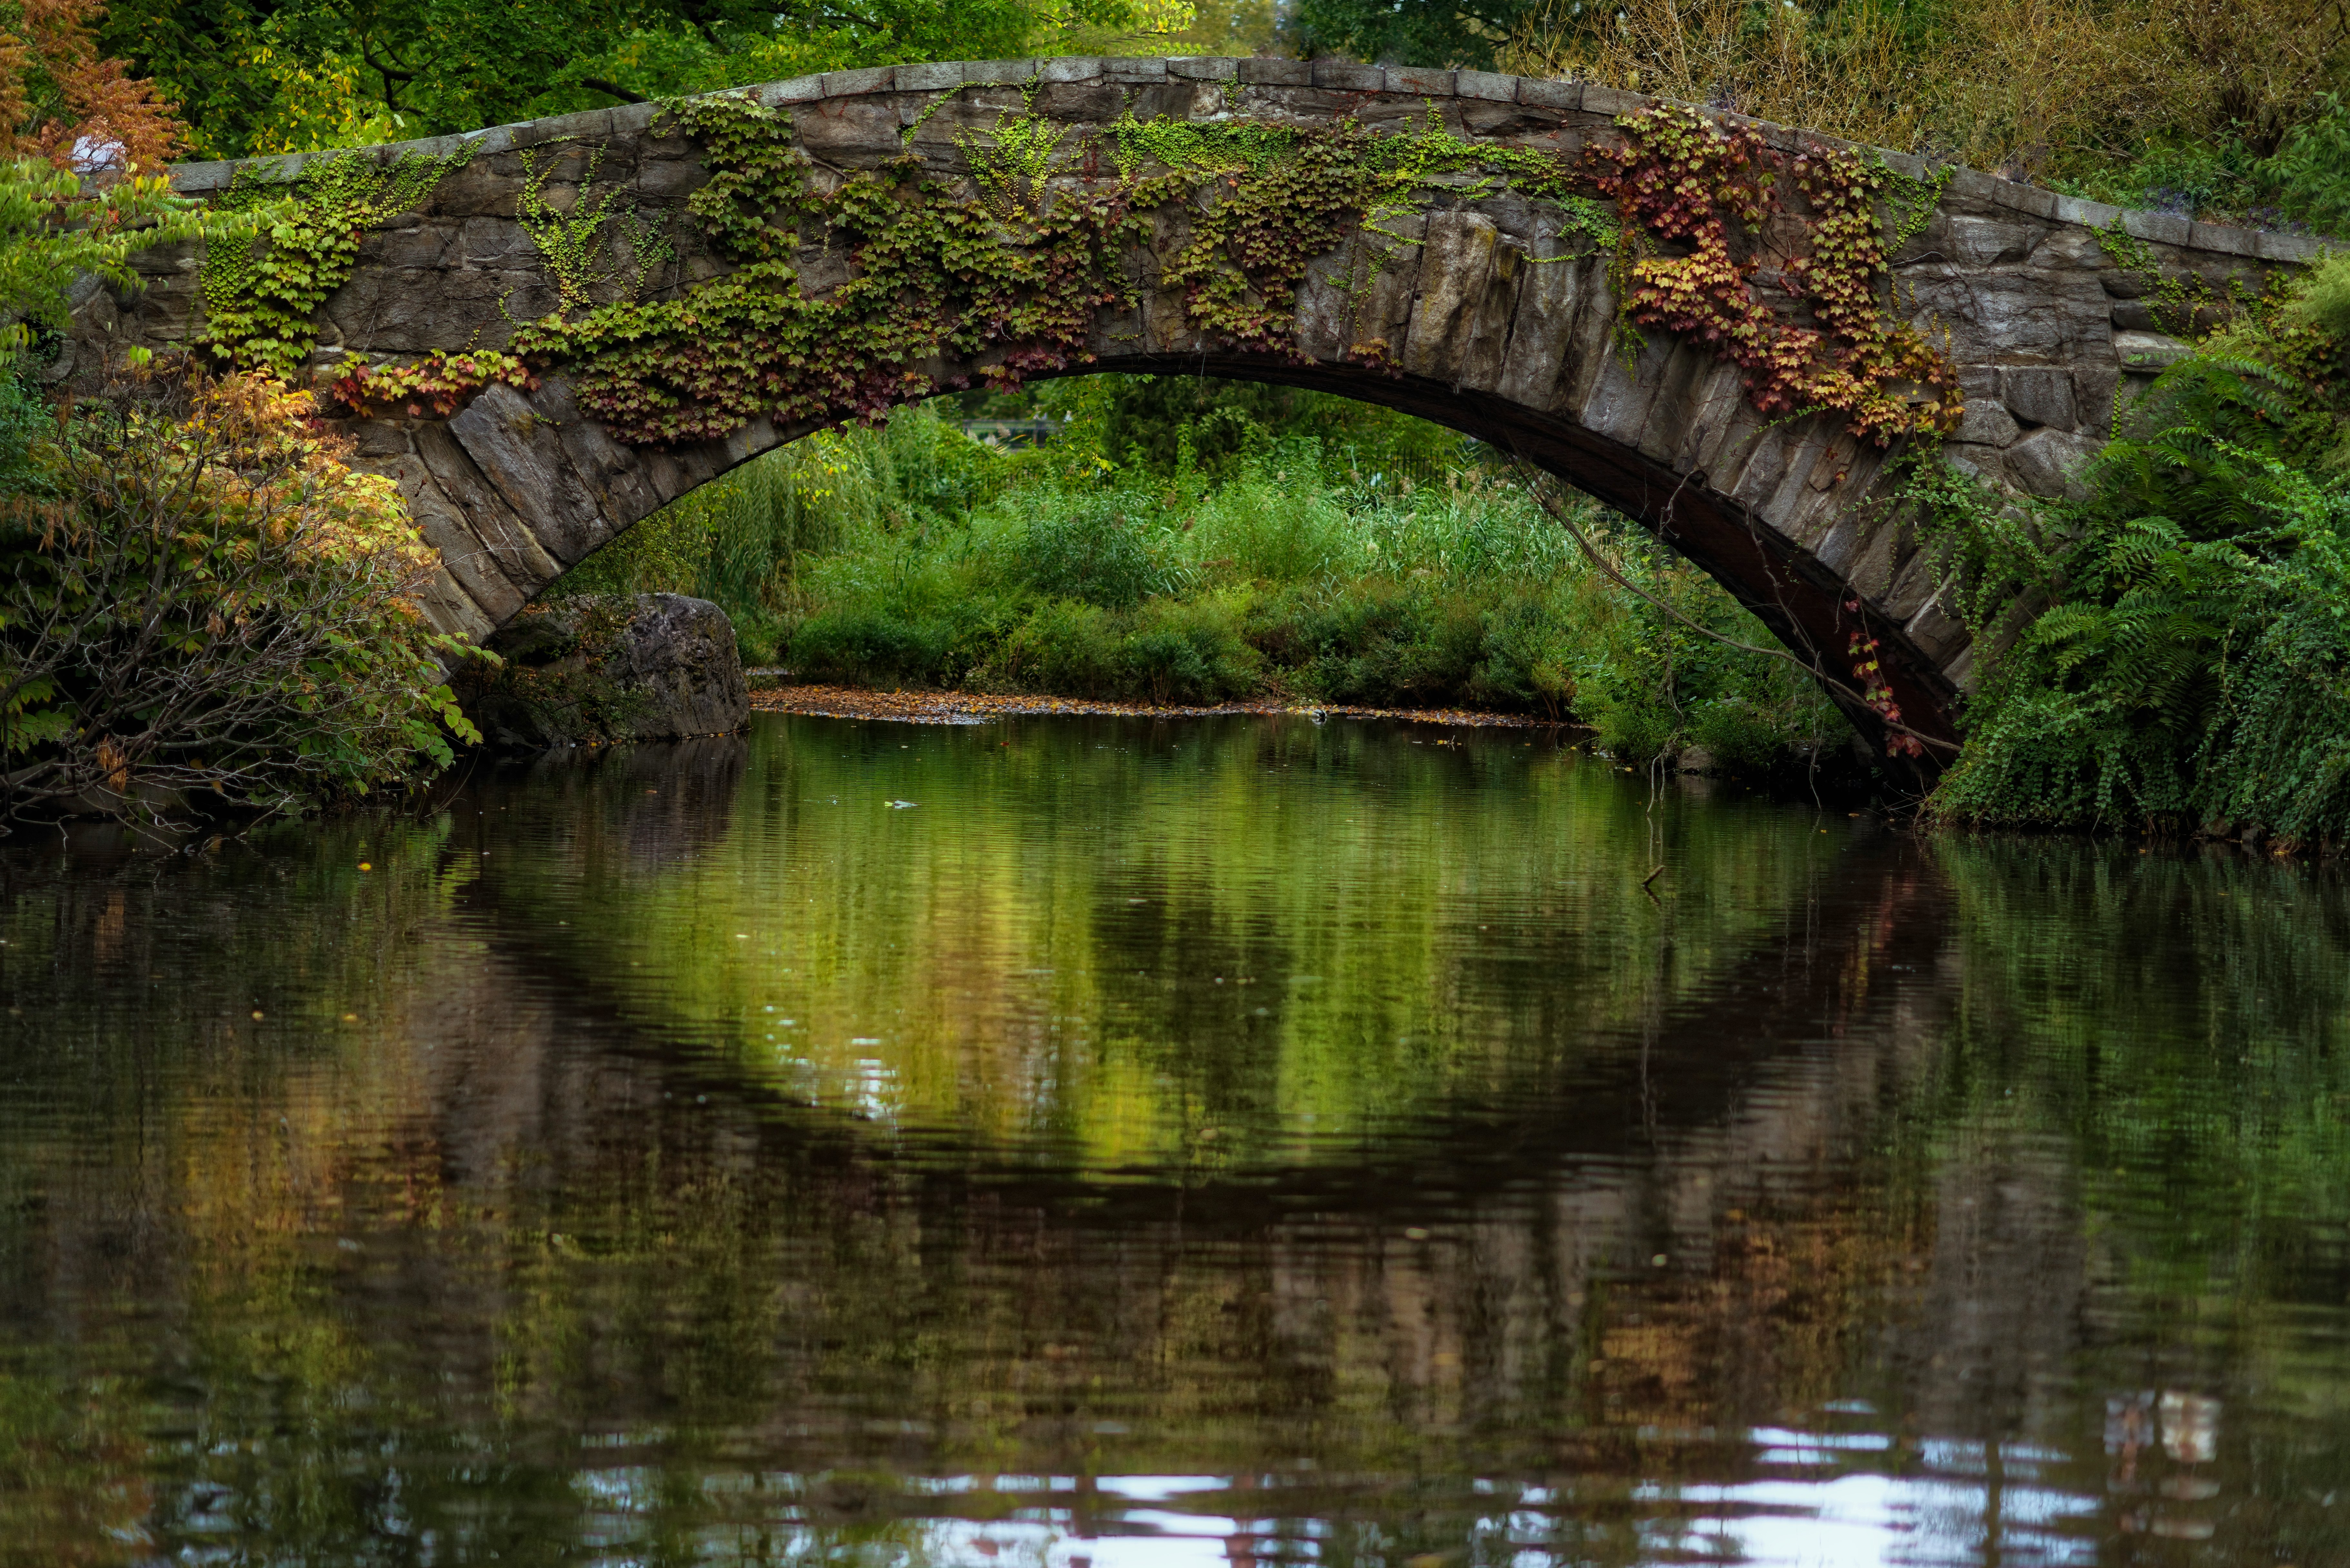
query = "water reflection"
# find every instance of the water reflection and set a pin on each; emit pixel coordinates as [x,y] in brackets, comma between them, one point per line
[1247,1142]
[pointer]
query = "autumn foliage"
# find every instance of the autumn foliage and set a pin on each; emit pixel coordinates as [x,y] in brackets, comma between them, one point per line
[61,100]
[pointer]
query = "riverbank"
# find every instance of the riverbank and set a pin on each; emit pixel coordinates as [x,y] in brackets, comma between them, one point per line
[978,707]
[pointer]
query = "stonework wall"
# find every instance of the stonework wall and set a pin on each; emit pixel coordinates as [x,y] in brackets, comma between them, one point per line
[1493,337]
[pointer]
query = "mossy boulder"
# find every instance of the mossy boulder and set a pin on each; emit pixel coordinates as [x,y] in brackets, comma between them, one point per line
[601,669]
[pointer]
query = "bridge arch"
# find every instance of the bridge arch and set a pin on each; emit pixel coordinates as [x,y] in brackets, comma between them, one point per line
[1487,303]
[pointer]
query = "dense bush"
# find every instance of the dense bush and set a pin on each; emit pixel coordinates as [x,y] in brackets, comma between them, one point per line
[2189,662]
[197,595]
[2163,103]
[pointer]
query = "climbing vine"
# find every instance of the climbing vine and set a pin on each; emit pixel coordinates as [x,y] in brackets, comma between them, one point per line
[2178,304]
[260,296]
[933,276]
[581,246]
[1015,268]
[439,383]
[1678,180]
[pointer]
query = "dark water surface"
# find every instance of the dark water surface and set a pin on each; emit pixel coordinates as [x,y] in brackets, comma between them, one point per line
[1072,1142]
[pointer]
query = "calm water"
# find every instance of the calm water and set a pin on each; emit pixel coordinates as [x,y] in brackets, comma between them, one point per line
[1101,1143]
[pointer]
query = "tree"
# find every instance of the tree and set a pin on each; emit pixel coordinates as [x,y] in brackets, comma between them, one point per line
[1410,32]
[267,76]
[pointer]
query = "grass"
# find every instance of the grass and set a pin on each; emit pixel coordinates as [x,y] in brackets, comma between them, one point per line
[1309,567]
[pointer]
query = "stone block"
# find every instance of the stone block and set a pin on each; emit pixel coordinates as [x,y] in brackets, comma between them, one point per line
[1205,68]
[2094,388]
[853,84]
[2224,239]
[1070,68]
[1345,76]
[2039,395]
[633,118]
[2278,247]
[1543,336]
[587,125]
[1136,72]
[1987,424]
[999,73]
[2087,214]
[799,90]
[467,559]
[2148,351]
[201,179]
[2045,462]
[838,126]
[2160,228]
[1536,93]
[1456,268]
[1420,81]
[671,176]
[1987,242]
[1278,73]
[932,78]
[1486,85]
[509,542]
[2016,197]
[1608,100]
[521,455]
[451,611]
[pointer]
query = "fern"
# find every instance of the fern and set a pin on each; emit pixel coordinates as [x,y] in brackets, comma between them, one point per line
[2184,654]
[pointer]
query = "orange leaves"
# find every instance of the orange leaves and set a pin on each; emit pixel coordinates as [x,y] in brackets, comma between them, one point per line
[59,101]
[1678,178]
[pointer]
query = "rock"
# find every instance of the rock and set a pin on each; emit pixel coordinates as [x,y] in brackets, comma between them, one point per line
[1986,423]
[2045,462]
[1695,760]
[611,667]
[2148,351]
[2039,395]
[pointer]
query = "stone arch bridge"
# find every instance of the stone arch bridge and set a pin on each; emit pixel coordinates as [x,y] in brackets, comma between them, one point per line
[1481,301]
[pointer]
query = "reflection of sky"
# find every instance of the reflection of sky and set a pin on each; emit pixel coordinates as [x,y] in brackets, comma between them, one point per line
[1814,1506]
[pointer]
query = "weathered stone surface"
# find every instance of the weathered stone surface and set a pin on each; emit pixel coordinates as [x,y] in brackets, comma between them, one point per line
[1988,423]
[647,667]
[2045,462]
[2039,395]
[1482,311]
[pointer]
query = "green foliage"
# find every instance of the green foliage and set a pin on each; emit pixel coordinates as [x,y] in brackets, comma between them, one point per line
[1009,163]
[2310,174]
[198,598]
[261,292]
[581,245]
[938,276]
[1409,31]
[1374,565]
[2182,646]
[56,228]
[298,74]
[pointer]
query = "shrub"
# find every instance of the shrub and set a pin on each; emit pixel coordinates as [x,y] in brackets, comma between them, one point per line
[2310,171]
[197,595]
[2194,664]
[1084,545]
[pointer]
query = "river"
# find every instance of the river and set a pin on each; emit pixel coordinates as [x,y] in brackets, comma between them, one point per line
[1094,1143]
